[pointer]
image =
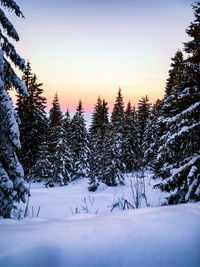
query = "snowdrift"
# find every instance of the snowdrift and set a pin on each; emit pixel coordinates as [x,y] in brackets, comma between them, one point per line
[157,237]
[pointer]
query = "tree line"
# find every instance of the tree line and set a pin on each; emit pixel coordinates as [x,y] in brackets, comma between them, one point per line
[58,149]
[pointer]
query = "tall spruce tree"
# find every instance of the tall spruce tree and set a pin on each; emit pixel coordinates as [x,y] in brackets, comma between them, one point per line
[112,167]
[117,130]
[43,169]
[67,125]
[79,144]
[152,134]
[59,155]
[12,188]
[175,72]
[110,172]
[178,160]
[130,141]
[96,138]
[142,114]
[67,137]
[31,111]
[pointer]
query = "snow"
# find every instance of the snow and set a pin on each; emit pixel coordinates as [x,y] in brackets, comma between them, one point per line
[182,130]
[62,202]
[76,227]
[186,111]
[158,237]
[176,171]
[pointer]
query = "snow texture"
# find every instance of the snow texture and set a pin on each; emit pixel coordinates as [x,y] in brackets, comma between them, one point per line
[158,237]
[62,202]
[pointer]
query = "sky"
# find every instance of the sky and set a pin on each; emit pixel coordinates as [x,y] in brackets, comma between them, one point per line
[85,48]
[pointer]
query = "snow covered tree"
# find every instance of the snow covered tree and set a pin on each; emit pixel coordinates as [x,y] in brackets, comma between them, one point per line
[31,111]
[117,129]
[111,157]
[56,115]
[129,140]
[110,172]
[67,125]
[12,188]
[59,152]
[67,138]
[175,72]
[96,138]
[42,171]
[178,160]
[79,144]
[142,114]
[153,132]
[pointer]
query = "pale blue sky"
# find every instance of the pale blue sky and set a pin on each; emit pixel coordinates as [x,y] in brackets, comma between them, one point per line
[83,48]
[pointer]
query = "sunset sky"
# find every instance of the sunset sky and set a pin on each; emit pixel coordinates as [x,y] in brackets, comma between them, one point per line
[85,48]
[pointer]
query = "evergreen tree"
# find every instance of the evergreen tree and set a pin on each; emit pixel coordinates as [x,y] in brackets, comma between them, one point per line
[79,144]
[142,114]
[153,132]
[55,112]
[117,130]
[43,169]
[111,156]
[96,138]
[31,111]
[67,125]
[110,172]
[67,139]
[12,188]
[178,160]
[130,141]
[175,72]
[59,154]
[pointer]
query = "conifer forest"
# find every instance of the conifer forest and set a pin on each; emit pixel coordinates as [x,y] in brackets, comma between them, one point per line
[58,158]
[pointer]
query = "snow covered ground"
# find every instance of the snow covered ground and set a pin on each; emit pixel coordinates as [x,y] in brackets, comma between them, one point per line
[62,202]
[72,232]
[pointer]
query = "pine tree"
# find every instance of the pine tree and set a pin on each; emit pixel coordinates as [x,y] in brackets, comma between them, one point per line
[31,111]
[178,160]
[43,169]
[59,155]
[175,72]
[142,114]
[153,132]
[79,144]
[117,129]
[130,141]
[67,125]
[12,187]
[111,156]
[67,138]
[110,172]
[96,138]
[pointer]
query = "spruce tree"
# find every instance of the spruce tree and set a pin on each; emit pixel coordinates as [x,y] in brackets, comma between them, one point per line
[117,130]
[129,141]
[12,187]
[67,125]
[153,132]
[175,72]
[96,138]
[142,114]
[111,157]
[67,139]
[58,148]
[110,172]
[31,111]
[79,144]
[178,160]
[43,169]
